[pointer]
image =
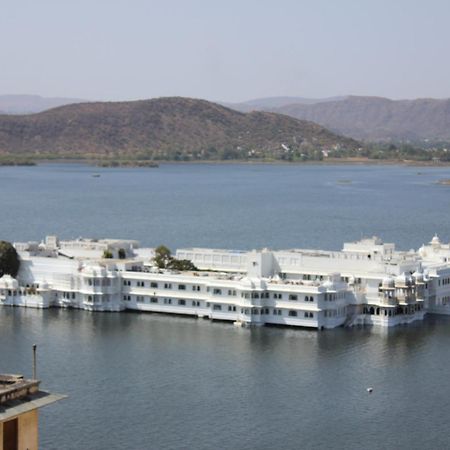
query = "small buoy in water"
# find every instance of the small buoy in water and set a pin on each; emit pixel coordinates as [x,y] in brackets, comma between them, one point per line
[369,390]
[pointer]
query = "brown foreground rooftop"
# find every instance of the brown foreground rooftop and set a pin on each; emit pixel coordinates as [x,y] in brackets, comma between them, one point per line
[20,400]
[19,395]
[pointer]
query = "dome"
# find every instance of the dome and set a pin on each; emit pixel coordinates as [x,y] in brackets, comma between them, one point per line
[388,282]
[402,280]
[43,285]
[94,271]
[435,240]
[418,276]
[422,251]
[328,284]
[8,282]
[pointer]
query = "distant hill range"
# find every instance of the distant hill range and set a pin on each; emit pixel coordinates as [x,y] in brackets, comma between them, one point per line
[269,103]
[367,118]
[29,104]
[164,128]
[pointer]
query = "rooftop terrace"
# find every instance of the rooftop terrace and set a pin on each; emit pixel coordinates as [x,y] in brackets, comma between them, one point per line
[19,395]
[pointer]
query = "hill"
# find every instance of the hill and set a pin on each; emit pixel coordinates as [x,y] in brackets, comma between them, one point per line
[378,119]
[29,104]
[268,103]
[164,128]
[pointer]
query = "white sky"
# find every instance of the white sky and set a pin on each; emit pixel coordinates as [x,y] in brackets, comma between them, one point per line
[226,50]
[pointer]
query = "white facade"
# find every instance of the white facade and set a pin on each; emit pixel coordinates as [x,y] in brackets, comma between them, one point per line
[368,282]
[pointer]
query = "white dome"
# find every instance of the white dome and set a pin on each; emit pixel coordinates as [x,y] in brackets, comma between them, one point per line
[435,240]
[8,282]
[402,280]
[43,285]
[418,276]
[328,284]
[94,271]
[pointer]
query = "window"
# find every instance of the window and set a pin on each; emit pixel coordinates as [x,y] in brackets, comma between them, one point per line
[167,285]
[277,296]
[10,435]
[195,303]
[231,308]
[217,291]
[292,313]
[153,284]
[195,288]
[181,302]
[140,299]
[293,297]
[167,301]
[217,307]
[153,300]
[182,287]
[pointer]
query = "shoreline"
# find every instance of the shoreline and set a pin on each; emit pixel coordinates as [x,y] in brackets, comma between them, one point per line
[155,164]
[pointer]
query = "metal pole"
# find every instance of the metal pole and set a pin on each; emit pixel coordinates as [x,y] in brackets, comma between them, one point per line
[34,362]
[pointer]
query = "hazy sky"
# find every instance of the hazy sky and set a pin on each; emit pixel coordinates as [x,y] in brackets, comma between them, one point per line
[225,50]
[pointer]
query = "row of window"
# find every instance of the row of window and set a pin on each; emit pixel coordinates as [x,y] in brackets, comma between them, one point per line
[98,299]
[229,292]
[275,296]
[99,282]
[154,285]
[218,307]
[14,292]
[399,310]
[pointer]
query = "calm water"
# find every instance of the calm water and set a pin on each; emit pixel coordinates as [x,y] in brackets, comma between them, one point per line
[142,381]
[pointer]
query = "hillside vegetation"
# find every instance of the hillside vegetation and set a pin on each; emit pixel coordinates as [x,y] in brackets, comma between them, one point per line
[164,129]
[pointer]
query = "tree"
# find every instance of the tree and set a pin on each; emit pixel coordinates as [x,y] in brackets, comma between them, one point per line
[122,253]
[107,254]
[9,259]
[181,264]
[162,257]
[164,260]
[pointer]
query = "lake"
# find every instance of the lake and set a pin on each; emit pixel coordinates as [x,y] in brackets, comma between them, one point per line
[147,381]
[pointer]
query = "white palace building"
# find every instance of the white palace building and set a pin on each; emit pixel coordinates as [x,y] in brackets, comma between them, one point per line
[368,282]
